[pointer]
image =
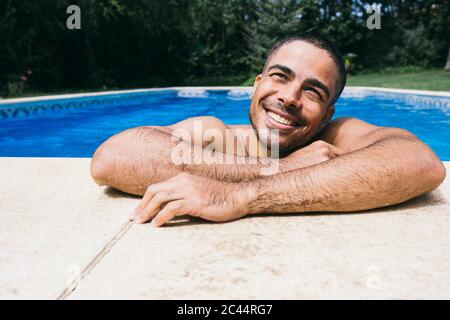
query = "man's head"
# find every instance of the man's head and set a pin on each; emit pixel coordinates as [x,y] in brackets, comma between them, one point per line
[302,78]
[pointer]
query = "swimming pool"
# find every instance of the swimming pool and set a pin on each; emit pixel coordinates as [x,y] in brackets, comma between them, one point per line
[76,126]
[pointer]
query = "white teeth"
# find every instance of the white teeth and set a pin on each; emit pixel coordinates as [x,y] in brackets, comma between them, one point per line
[280,119]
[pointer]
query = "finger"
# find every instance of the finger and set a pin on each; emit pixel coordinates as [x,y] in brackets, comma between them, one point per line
[170,211]
[148,196]
[155,204]
[156,187]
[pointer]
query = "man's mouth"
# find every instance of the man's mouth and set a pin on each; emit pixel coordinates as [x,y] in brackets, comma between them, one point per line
[280,119]
[276,121]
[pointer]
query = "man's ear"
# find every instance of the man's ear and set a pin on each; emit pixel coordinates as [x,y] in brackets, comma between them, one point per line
[255,84]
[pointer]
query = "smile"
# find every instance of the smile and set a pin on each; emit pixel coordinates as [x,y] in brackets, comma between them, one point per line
[276,121]
[280,119]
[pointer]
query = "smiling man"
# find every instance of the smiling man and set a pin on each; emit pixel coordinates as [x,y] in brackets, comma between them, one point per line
[340,165]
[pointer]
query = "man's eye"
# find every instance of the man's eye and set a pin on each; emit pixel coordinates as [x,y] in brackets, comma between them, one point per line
[315,92]
[279,75]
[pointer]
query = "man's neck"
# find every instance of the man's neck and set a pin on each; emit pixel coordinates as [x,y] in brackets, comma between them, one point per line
[248,137]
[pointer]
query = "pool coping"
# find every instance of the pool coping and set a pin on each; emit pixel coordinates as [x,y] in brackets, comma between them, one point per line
[69,238]
[212,88]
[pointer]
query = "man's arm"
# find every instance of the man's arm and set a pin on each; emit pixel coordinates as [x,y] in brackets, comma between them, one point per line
[136,158]
[377,167]
[380,167]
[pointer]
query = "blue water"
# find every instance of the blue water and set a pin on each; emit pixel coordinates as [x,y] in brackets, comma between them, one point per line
[78,132]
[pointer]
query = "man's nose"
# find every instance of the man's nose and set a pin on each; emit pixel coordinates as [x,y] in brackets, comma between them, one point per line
[290,97]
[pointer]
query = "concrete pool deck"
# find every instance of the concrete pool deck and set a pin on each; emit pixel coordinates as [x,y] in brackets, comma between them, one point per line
[63,237]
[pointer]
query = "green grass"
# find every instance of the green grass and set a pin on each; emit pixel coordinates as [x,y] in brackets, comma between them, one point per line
[437,80]
[399,78]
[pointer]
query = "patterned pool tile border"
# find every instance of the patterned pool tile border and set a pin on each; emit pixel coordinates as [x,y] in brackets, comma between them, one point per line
[417,100]
[25,109]
[32,106]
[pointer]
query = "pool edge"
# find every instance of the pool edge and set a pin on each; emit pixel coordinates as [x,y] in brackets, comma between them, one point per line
[240,88]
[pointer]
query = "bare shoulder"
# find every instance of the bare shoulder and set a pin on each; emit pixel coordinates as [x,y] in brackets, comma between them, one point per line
[345,127]
[199,130]
[351,134]
[342,132]
[205,122]
[239,126]
[236,128]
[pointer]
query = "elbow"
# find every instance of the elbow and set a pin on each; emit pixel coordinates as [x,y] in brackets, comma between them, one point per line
[438,174]
[100,171]
[111,157]
[435,171]
[102,165]
[432,168]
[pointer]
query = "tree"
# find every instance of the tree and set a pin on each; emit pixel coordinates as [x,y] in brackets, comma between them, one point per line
[447,65]
[144,43]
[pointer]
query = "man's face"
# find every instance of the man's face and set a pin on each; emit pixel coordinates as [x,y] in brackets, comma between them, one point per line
[293,94]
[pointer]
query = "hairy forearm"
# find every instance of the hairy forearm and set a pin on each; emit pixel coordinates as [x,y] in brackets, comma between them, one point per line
[387,172]
[139,157]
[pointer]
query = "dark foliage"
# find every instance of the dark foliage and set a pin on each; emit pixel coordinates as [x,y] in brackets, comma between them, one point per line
[141,43]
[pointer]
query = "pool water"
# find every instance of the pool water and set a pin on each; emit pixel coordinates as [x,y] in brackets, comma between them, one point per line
[77,132]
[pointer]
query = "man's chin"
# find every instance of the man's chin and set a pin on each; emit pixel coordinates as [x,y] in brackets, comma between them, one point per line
[284,150]
[281,148]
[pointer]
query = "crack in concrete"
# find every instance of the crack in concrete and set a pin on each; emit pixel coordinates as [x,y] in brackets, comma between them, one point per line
[99,257]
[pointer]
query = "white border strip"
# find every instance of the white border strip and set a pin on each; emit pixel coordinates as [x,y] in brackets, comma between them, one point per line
[77,95]
[104,93]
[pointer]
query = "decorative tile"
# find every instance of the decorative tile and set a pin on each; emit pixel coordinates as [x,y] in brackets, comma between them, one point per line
[192,93]
[31,108]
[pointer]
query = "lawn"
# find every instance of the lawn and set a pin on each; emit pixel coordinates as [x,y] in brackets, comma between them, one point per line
[400,78]
[438,80]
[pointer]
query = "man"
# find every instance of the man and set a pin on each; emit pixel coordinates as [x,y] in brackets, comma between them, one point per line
[341,165]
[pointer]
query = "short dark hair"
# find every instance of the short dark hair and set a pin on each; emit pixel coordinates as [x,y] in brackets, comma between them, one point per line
[319,42]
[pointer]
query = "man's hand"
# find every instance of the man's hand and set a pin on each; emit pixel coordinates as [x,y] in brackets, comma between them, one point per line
[317,152]
[186,194]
